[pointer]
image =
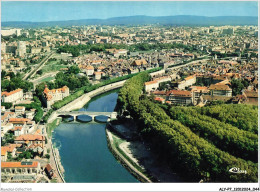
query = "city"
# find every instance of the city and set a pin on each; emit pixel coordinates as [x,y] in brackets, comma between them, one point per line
[182,95]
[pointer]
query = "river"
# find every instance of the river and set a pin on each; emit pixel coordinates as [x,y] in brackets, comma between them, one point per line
[83,148]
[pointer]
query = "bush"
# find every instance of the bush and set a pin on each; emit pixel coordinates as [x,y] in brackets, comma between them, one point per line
[7,105]
[47,156]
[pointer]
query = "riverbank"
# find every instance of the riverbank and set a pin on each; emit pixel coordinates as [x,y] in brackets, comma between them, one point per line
[54,160]
[131,145]
[114,143]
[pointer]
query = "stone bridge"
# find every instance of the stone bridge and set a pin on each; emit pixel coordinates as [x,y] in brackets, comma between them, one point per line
[92,114]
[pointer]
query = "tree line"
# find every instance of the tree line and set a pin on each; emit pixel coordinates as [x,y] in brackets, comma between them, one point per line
[244,117]
[87,48]
[226,137]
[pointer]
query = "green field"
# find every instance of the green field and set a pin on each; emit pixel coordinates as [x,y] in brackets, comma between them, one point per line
[47,79]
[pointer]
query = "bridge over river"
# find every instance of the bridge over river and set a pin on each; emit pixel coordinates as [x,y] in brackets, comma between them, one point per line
[92,114]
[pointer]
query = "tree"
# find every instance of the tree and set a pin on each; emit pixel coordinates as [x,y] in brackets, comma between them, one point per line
[236,86]
[39,89]
[39,72]
[74,70]
[75,53]
[3,73]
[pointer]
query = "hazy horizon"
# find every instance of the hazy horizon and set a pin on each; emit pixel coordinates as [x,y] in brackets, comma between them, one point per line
[32,11]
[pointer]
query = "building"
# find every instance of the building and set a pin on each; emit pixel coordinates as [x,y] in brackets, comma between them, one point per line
[228,31]
[138,63]
[197,92]
[19,110]
[30,140]
[117,52]
[49,170]
[26,167]
[220,90]
[3,154]
[151,85]
[98,75]
[188,81]
[5,127]
[8,32]
[35,50]
[251,97]
[179,97]
[21,48]
[159,99]
[50,96]
[162,79]
[11,148]
[12,97]
[19,121]
[89,70]
[19,130]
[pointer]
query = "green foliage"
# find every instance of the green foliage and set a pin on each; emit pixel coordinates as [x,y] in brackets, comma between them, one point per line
[244,117]
[7,105]
[67,100]
[46,117]
[25,155]
[15,83]
[8,138]
[237,86]
[164,85]
[39,89]
[76,49]
[39,72]
[9,156]
[34,105]
[47,156]
[3,73]
[176,143]
[226,137]
[74,70]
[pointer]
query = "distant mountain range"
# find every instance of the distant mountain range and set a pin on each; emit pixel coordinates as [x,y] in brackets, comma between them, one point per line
[179,20]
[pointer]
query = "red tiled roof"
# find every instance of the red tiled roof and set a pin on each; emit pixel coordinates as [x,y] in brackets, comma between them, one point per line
[48,167]
[10,93]
[150,82]
[179,93]
[159,99]
[219,87]
[11,120]
[18,165]
[251,94]
[159,92]
[30,137]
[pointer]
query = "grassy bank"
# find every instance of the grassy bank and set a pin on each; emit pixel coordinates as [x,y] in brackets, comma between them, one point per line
[51,126]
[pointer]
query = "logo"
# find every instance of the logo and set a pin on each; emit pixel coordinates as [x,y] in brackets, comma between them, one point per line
[237,170]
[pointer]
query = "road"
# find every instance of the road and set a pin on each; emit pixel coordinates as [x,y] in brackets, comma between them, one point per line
[38,80]
[37,67]
[190,63]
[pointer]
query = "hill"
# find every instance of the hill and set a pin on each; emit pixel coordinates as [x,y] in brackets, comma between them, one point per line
[178,20]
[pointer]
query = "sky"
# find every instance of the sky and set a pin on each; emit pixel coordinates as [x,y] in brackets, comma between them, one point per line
[67,10]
